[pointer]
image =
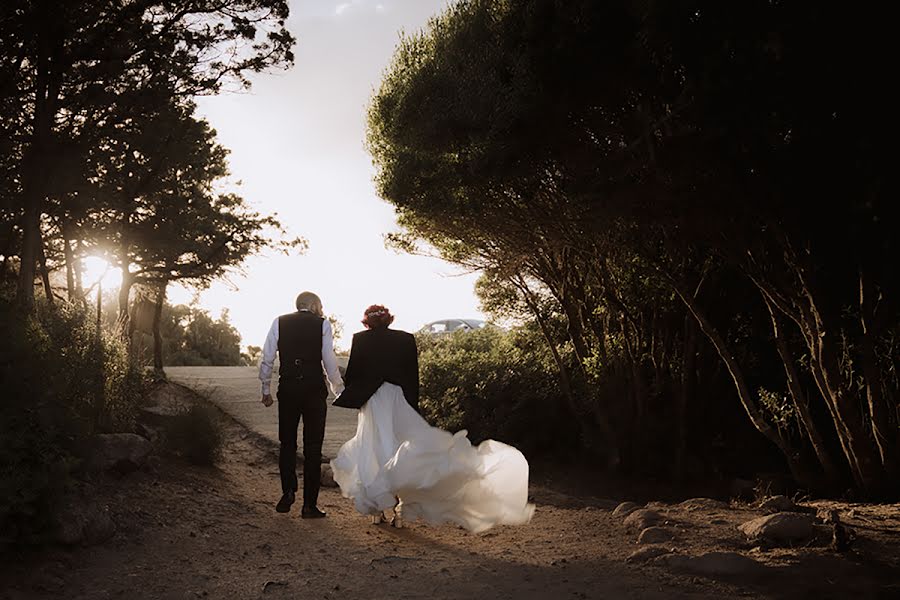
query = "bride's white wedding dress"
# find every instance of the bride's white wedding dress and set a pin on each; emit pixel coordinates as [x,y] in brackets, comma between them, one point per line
[438,476]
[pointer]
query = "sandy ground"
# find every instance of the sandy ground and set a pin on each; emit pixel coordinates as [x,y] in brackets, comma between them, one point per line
[191,532]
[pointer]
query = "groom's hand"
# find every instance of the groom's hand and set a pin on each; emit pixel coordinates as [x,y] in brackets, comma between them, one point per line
[267,400]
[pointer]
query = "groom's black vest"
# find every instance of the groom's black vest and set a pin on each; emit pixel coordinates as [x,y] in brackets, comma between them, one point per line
[300,346]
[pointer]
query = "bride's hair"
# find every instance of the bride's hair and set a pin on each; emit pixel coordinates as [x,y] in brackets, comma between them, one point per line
[377,317]
[311,302]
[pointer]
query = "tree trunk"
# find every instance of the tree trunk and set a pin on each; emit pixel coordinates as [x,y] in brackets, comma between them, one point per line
[123,319]
[71,292]
[825,363]
[686,394]
[33,175]
[878,408]
[99,309]
[157,338]
[737,376]
[606,429]
[45,274]
[76,264]
[800,402]
[639,398]
[28,256]
[868,472]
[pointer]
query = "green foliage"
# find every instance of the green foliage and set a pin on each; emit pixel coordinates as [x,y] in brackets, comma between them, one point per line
[778,406]
[61,383]
[196,435]
[191,337]
[495,384]
[252,356]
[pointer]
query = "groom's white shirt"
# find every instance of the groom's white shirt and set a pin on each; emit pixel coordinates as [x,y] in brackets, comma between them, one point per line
[329,359]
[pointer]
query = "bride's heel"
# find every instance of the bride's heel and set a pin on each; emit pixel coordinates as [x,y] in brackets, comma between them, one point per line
[376,519]
[397,521]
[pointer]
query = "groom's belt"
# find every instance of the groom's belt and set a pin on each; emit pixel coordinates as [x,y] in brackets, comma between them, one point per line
[301,369]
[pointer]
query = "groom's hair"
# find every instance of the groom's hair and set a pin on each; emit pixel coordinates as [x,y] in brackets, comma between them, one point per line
[311,302]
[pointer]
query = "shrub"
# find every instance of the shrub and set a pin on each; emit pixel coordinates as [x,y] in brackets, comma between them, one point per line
[196,435]
[61,383]
[495,384]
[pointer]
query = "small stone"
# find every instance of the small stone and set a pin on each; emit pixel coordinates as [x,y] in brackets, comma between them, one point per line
[646,553]
[655,535]
[642,519]
[625,508]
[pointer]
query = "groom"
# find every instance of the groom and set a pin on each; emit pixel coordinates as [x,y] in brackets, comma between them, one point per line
[304,341]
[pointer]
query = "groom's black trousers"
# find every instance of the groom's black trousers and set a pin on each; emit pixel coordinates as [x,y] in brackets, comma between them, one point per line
[301,398]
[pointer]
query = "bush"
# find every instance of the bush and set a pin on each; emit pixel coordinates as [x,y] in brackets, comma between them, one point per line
[495,384]
[196,435]
[61,383]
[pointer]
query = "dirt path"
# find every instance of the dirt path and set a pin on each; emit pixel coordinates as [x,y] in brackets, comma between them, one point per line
[236,391]
[188,532]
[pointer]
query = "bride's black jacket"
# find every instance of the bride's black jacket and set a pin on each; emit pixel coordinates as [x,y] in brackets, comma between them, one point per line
[378,356]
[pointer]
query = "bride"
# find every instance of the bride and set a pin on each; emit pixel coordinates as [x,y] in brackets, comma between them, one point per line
[397,460]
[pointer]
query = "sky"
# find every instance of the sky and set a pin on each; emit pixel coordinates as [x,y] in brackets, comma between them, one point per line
[296,141]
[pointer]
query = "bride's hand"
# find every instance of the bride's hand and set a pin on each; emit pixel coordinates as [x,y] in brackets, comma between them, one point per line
[267,400]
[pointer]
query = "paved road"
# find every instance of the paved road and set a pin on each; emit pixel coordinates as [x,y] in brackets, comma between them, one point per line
[236,391]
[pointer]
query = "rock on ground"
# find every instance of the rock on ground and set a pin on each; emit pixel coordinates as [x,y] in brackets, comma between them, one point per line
[777,504]
[780,528]
[625,509]
[655,535]
[118,451]
[646,553]
[711,564]
[695,504]
[642,519]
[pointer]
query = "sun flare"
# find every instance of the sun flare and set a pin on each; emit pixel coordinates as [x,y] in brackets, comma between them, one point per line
[94,268]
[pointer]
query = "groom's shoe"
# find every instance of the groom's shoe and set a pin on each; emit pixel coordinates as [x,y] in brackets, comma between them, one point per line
[284,505]
[311,512]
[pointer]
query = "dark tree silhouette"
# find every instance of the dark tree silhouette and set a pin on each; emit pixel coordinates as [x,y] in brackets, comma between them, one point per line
[662,174]
[65,65]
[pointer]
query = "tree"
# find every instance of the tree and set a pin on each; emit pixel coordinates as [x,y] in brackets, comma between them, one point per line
[69,63]
[190,336]
[656,171]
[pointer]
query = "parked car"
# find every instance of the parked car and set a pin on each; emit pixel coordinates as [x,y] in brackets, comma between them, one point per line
[451,325]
